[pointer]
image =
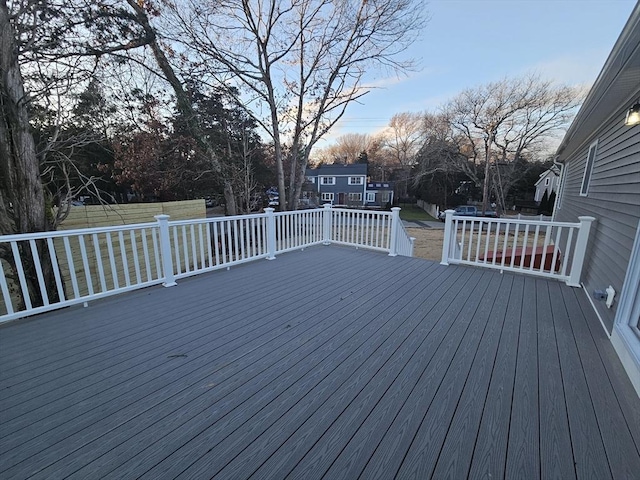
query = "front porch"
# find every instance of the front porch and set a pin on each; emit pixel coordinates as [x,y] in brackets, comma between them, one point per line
[325,363]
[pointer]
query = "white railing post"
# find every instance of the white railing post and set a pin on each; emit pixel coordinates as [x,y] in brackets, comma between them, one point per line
[395,231]
[411,241]
[165,251]
[448,236]
[580,251]
[271,234]
[327,224]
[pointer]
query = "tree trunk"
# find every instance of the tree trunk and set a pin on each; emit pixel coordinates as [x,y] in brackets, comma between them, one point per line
[22,199]
[485,187]
[231,207]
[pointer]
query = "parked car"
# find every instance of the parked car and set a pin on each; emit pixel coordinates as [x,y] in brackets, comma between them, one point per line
[470,211]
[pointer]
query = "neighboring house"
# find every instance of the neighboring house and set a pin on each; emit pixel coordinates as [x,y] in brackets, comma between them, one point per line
[337,184]
[379,194]
[600,155]
[549,181]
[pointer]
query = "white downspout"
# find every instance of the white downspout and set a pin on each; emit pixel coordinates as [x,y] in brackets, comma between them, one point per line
[560,188]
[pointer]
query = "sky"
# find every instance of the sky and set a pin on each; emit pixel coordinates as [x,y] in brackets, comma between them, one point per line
[468,43]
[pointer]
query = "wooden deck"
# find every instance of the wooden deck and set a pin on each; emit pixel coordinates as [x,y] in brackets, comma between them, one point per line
[327,363]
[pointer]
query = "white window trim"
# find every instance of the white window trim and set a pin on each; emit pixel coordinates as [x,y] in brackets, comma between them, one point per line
[327,180]
[624,338]
[360,180]
[588,169]
[371,196]
[327,196]
[355,196]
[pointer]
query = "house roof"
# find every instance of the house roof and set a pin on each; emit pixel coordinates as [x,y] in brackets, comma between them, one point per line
[617,84]
[553,170]
[338,169]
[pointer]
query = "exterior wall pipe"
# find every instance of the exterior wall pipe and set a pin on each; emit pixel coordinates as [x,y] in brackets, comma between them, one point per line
[559,188]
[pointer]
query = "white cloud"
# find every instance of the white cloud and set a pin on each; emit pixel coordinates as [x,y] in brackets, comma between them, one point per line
[580,69]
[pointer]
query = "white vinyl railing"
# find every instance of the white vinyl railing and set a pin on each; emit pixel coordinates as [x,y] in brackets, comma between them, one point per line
[371,229]
[44,271]
[40,272]
[536,247]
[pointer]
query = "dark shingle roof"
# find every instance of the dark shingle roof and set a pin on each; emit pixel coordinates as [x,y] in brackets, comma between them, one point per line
[338,169]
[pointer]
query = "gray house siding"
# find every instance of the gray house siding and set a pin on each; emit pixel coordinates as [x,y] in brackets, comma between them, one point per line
[613,198]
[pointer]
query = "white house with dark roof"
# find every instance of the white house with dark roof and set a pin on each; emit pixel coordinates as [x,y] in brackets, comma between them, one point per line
[548,182]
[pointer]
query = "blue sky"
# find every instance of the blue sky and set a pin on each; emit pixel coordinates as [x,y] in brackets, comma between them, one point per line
[470,42]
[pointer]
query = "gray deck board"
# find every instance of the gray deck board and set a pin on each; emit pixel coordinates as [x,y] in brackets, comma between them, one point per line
[489,446]
[588,450]
[169,388]
[621,451]
[328,363]
[523,444]
[556,450]
[466,377]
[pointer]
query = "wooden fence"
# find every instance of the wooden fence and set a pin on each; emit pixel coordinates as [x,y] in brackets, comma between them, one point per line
[111,215]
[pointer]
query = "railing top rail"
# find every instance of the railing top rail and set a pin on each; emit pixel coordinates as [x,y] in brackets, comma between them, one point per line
[297,212]
[379,212]
[68,233]
[515,221]
[195,221]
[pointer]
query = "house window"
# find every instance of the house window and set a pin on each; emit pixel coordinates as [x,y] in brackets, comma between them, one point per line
[371,196]
[327,197]
[385,197]
[588,169]
[328,180]
[311,179]
[355,181]
[355,197]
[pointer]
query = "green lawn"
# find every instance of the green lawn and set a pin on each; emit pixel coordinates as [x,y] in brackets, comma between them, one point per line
[411,212]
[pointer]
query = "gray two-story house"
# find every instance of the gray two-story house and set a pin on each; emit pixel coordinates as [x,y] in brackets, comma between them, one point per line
[337,184]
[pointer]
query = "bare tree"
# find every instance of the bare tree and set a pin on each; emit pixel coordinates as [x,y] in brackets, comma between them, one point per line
[404,137]
[347,148]
[402,140]
[502,121]
[300,61]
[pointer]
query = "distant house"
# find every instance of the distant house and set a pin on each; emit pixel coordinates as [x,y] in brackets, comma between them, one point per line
[337,184]
[379,194]
[549,181]
[600,155]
